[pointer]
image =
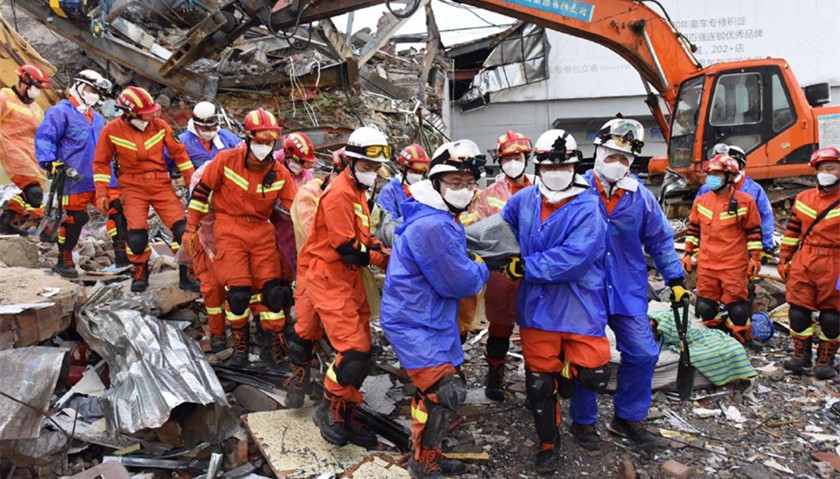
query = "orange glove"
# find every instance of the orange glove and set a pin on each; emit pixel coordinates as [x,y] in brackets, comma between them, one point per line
[755,265]
[783,268]
[101,202]
[686,263]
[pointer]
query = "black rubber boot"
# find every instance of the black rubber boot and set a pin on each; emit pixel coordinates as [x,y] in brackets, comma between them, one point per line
[586,436]
[358,433]
[329,417]
[120,254]
[494,382]
[824,367]
[240,347]
[296,384]
[635,432]
[140,281]
[545,420]
[7,219]
[217,343]
[186,281]
[802,353]
[427,466]
[65,266]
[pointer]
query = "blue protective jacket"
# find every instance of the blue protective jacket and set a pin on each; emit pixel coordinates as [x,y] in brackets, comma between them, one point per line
[66,134]
[563,287]
[198,153]
[428,273]
[636,222]
[391,197]
[765,210]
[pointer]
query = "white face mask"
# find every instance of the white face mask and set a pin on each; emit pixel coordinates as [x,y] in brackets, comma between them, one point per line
[261,150]
[513,168]
[412,177]
[557,180]
[33,92]
[295,168]
[460,199]
[139,124]
[827,179]
[367,179]
[90,99]
[614,171]
[207,135]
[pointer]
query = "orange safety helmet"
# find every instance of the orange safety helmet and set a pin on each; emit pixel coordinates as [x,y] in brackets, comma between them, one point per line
[33,75]
[512,143]
[722,163]
[832,153]
[137,102]
[339,160]
[299,146]
[262,125]
[414,157]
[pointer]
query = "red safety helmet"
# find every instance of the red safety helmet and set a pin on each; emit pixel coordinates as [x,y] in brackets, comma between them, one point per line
[33,75]
[832,153]
[722,163]
[262,125]
[137,102]
[414,157]
[512,143]
[299,146]
[340,160]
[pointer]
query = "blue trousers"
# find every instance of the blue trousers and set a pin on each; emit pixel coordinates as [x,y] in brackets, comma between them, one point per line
[639,354]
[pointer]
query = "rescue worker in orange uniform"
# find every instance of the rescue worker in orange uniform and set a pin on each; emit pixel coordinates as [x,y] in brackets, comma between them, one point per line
[246,184]
[133,145]
[560,304]
[19,119]
[306,200]
[413,163]
[725,226]
[809,261]
[67,138]
[429,271]
[330,290]
[511,151]
[298,155]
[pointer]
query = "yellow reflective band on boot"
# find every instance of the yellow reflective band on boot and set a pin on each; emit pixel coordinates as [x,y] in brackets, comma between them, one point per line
[823,337]
[419,415]
[805,334]
[272,316]
[236,318]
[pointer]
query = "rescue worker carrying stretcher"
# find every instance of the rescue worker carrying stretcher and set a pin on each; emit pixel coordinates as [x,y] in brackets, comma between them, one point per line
[809,262]
[19,119]
[330,292]
[725,227]
[133,146]
[560,303]
[67,138]
[511,151]
[246,185]
[429,272]
[635,226]
[413,163]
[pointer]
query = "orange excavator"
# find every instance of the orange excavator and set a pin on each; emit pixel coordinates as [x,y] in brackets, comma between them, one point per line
[755,104]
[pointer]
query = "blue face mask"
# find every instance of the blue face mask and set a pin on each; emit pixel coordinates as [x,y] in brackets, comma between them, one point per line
[714,182]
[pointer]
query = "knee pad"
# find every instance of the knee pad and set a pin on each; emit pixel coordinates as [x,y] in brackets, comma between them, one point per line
[497,348]
[353,368]
[238,298]
[829,323]
[739,312]
[451,392]
[178,230]
[80,218]
[33,195]
[594,379]
[277,294]
[539,385]
[706,309]
[300,350]
[137,241]
[800,318]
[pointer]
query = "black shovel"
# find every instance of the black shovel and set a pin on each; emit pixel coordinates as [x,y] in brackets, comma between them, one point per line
[685,372]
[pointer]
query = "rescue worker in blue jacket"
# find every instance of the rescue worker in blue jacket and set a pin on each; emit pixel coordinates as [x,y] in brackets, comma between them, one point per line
[429,272]
[635,226]
[750,187]
[203,136]
[67,138]
[560,303]
[414,165]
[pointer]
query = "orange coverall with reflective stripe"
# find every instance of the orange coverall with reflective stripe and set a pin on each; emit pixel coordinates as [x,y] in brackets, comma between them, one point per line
[18,124]
[816,266]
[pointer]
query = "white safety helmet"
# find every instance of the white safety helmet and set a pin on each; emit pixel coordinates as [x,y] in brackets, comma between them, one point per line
[94,79]
[368,143]
[556,147]
[622,134]
[733,151]
[460,155]
[204,114]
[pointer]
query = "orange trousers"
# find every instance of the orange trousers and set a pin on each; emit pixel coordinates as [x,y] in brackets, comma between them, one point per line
[140,191]
[19,206]
[552,351]
[423,379]
[726,286]
[812,281]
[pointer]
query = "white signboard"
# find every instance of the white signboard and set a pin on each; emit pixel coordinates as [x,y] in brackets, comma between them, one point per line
[803,32]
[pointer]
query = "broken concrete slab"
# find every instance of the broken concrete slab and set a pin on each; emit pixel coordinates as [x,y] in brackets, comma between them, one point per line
[18,251]
[254,400]
[377,467]
[26,316]
[164,291]
[291,443]
[42,366]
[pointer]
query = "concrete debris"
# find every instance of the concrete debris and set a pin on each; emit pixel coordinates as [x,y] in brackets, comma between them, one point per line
[253,399]
[17,251]
[675,469]
[106,470]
